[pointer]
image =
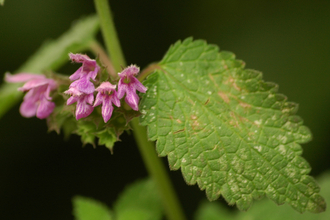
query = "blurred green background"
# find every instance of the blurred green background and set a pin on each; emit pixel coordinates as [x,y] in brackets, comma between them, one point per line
[287,40]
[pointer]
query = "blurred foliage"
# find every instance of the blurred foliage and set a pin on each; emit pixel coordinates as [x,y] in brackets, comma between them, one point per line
[139,201]
[90,209]
[287,40]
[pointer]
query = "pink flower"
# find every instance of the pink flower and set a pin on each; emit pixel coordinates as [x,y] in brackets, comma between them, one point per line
[84,102]
[129,84]
[106,96]
[36,102]
[82,89]
[84,74]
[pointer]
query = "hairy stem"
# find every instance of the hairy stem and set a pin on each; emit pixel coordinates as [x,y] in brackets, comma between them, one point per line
[97,49]
[158,172]
[147,71]
[109,34]
[152,162]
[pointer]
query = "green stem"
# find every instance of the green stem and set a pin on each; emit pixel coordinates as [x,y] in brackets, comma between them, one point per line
[109,34]
[152,162]
[98,50]
[147,71]
[158,172]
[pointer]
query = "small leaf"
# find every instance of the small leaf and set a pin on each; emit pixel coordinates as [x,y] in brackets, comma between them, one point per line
[107,137]
[140,201]
[118,122]
[60,117]
[50,56]
[127,112]
[87,131]
[228,130]
[89,209]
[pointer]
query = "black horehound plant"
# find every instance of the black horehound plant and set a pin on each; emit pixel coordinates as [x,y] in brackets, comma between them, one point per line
[226,129]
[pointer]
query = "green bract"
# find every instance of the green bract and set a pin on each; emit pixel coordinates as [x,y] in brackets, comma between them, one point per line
[228,131]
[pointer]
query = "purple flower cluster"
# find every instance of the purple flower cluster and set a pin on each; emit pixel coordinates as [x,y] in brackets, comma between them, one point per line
[37,100]
[82,89]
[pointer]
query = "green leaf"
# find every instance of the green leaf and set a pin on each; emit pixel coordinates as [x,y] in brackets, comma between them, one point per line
[228,130]
[87,131]
[140,201]
[62,118]
[107,137]
[265,209]
[50,56]
[118,122]
[89,209]
[2,2]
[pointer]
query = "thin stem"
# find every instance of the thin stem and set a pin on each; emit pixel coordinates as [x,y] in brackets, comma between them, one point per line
[147,71]
[109,34]
[97,49]
[152,162]
[158,172]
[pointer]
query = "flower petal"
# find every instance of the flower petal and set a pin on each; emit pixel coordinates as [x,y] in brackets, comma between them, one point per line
[129,71]
[89,99]
[73,91]
[47,93]
[83,85]
[76,75]
[92,69]
[36,101]
[138,85]
[115,100]
[33,84]
[22,77]
[122,87]
[106,87]
[99,99]
[107,110]
[72,100]
[28,108]
[79,58]
[45,108]
[83,109]
[89,68]
[32,95]
[132,99]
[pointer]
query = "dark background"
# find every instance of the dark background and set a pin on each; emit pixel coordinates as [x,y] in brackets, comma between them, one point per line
[40,172]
